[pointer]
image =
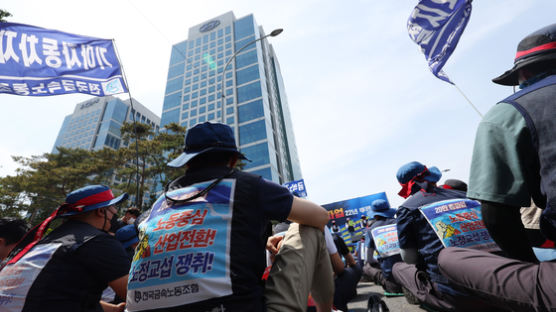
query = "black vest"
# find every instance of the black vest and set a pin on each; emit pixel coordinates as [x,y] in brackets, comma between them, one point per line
[536,105]
[59,246]
[246,268]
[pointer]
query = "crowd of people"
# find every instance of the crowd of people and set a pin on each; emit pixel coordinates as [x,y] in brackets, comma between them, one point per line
[208,243]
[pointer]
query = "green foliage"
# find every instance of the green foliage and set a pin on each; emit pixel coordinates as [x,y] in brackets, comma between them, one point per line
[4,15]
[42,182]
[154,150]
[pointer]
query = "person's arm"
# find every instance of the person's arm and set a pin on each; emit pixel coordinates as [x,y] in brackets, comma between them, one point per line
[504,225]
[119,286]
[349,259]
[308,213]
[337,264]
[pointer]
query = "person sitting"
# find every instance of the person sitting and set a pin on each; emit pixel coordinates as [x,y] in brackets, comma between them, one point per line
[11,231]
[201,245]
[347,274]
[512,163]
[67,270]
[388,248]
[420,245]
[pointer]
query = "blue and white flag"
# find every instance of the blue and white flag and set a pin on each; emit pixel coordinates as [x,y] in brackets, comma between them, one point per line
[38,62]
[436,26]
[298,187]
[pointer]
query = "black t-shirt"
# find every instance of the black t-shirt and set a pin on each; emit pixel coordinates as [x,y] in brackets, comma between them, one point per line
[73,280]
[256,201]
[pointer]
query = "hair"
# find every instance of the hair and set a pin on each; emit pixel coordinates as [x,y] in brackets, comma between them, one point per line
[12,229]
[210,159]
[134,211]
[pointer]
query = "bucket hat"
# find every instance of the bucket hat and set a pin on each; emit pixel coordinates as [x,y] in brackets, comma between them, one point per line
[206,137]
[89,198]
[380,207]
[127,235]
[536,47]
[413,173]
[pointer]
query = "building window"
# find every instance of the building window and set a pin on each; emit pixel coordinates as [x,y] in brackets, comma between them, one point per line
[247,74]
[252,132]
[258,154]
[250,111]
[249,92]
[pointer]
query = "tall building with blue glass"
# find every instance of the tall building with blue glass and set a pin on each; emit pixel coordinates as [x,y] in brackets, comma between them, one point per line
[255,103]
[95,123]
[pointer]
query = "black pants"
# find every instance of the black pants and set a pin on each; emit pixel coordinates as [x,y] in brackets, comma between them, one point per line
[345,286]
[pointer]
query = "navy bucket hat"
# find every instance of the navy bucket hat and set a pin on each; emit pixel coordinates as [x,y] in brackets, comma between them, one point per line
[127,235]
[536,47]
[380,207]
[89,198]
[414,172]
[206,137]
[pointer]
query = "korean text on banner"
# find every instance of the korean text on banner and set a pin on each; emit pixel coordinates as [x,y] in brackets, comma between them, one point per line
[39,62]
[436,26]
[459,223]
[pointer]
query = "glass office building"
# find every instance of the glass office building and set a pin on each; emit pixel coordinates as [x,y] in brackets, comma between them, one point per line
[254,102]
[95,123]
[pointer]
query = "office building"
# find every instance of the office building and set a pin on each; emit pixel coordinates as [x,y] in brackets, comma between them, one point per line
[255,103]
[95,123]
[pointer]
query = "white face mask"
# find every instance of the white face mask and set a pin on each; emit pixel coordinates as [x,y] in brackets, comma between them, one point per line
[130,220]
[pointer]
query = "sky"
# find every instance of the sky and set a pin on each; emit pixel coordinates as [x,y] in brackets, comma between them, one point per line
[362,99]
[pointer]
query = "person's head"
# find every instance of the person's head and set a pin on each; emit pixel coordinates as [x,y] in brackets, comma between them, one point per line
[455,184]
[127,235]
[130,215]
[381,209]
[208,144]
[536,54]
[414,176]
[11,231]
[93,204]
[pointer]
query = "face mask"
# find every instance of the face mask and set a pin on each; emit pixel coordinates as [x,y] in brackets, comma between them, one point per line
[114,220]
[130,220]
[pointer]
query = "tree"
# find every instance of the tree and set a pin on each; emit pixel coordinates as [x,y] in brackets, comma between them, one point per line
[155,150]
[4,15]
[42,182]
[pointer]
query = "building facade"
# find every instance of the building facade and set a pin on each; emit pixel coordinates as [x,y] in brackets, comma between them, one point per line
[95,123]
[254,102]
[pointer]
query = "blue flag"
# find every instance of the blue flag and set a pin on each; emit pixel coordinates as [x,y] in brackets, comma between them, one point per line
[38,62]
[436,26]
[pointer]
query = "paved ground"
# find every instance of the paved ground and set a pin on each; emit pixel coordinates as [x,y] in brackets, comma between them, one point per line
[395,304]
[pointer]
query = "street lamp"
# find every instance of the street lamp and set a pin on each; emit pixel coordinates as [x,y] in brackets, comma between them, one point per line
[273,33]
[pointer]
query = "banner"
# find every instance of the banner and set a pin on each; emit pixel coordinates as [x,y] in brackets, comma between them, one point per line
[459,223]
[183,253]
[347,216]
[436,26]
[298,187]
[39,62]
[386,240]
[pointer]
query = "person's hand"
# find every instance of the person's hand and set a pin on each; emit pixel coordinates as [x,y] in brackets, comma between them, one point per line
[273,244]
[109,307]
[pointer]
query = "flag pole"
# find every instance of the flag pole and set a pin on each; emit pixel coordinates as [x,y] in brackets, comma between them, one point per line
[468,101]
[134,126]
